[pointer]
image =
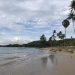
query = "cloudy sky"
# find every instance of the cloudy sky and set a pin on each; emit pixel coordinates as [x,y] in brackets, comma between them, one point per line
[22,21]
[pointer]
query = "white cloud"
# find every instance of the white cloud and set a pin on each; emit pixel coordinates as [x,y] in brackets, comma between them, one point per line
[21,16]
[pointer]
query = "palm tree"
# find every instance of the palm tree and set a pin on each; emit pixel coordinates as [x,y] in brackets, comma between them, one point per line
[52,38]
[73,5]
[65,23]
[54,35]
[61,35]
[71,16]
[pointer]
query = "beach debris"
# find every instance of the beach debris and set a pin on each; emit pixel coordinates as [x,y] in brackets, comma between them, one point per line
[71,51]
[53,50]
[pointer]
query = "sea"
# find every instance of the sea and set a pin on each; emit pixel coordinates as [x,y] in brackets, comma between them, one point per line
[9,54]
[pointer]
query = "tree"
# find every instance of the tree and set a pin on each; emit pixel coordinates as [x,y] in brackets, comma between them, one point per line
[65,23]
[52,39]
[73,4]
[72,13]
[71,16]
[43,40]
[54,31]
[54,35]
[61,35]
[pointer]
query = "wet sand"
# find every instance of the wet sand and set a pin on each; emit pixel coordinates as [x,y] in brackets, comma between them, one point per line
[58,63]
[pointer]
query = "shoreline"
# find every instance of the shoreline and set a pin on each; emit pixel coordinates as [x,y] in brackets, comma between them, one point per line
[68,49]
[55,63]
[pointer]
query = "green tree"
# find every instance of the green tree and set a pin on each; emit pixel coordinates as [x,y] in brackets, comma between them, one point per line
[73,5]
[71,17]
[61,35]
[54,35]
[43,40]
[52,39]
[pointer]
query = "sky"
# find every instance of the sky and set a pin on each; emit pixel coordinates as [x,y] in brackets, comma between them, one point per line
[22,21]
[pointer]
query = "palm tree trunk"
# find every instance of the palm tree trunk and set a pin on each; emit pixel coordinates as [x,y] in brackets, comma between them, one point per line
[65,33]
[65,37]
[73,25]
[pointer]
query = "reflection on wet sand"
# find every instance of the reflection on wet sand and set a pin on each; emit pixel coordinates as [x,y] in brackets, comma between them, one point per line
[53,58]
[44,60]
[49,60]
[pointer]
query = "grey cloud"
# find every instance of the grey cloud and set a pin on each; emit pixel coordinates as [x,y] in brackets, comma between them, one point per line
[15,14]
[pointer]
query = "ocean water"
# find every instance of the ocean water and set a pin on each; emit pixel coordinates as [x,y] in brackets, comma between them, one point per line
[8,54]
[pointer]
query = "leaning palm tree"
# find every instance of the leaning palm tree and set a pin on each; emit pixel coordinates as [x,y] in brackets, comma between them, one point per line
[65,23]
[52,38]
[73,5]
[72,12]
[61,35]
[71,16]
[54,35]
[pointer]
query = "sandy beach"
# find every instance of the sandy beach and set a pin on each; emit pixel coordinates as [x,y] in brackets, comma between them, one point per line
[55,63]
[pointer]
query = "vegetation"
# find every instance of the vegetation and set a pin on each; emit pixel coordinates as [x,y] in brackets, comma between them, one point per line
[56,39]
[52,42]
[61,35]
[71,16]
[43,42]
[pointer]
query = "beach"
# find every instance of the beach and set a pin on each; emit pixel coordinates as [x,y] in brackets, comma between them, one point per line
[44,63]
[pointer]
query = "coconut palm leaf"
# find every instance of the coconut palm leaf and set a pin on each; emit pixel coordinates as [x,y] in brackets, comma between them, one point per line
[73,5]
[65,23]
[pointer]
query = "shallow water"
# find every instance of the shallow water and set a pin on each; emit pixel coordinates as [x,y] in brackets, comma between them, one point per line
[33,61]
[15,53]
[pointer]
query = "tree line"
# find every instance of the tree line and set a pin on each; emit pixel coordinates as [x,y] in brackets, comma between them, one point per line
[56,39]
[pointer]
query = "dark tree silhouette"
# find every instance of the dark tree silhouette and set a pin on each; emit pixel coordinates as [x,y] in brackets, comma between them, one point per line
[43,38]
[50,39]
[61,35]
[65,23]
[54,35]
[73,4]
[71,16]
[43,41]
